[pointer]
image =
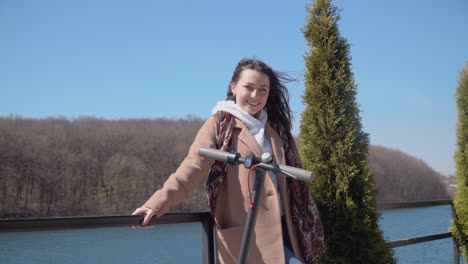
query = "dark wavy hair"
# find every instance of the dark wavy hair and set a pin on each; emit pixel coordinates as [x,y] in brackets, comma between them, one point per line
[277,106]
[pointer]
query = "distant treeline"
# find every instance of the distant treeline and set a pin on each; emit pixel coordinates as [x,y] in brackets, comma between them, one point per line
[400,177]
[90,166]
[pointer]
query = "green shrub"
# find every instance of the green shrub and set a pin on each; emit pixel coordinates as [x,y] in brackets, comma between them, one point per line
[460,223]
[335,148]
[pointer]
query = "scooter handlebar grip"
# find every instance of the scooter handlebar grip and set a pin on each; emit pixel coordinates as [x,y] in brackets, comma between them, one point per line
[215,154]
[299,174]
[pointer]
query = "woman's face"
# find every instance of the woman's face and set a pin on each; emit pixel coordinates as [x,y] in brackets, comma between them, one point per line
[251,91]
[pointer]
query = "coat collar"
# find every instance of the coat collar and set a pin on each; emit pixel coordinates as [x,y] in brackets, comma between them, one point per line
[276,144]
[248,139]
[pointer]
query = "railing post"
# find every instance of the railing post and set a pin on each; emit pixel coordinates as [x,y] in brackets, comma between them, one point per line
[456,252]
[207,241]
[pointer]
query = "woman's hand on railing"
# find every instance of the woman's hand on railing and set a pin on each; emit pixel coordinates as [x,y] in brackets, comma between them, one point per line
[145,211]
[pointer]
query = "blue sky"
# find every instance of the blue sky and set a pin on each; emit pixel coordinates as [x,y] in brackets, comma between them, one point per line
[149,59]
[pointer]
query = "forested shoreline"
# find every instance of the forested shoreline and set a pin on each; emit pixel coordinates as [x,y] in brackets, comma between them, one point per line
[91,166]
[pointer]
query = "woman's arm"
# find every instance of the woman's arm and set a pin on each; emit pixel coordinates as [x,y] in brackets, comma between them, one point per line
[182,183]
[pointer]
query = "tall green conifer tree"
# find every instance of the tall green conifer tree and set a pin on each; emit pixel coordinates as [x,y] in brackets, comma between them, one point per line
[335,148]
[460,223]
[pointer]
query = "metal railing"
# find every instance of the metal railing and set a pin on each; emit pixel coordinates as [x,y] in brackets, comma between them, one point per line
[421,239]
[57,223]
[207,239]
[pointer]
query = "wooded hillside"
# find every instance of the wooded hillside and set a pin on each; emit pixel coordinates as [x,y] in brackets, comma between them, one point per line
[400,177]
[90,166]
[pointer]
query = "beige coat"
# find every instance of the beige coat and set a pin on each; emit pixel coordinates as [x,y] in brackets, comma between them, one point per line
[232,203]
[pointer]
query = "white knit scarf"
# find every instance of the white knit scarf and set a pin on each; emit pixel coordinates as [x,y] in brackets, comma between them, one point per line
[255,126]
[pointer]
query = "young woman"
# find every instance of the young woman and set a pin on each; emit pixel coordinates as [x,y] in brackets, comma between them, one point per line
[254,119]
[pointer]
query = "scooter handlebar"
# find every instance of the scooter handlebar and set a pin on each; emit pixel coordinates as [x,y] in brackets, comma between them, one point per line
[296,173]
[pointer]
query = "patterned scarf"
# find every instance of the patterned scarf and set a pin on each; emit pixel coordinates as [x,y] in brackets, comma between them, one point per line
[304,212]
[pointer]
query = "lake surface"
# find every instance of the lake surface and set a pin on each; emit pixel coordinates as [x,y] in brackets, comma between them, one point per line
[181,243]
[413,222]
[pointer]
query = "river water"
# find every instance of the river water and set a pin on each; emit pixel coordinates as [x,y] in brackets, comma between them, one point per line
[181,243]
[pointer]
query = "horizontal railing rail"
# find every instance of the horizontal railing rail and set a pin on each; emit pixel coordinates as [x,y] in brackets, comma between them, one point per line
[56,223]
[417,240]
[412,204]
[51,223]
